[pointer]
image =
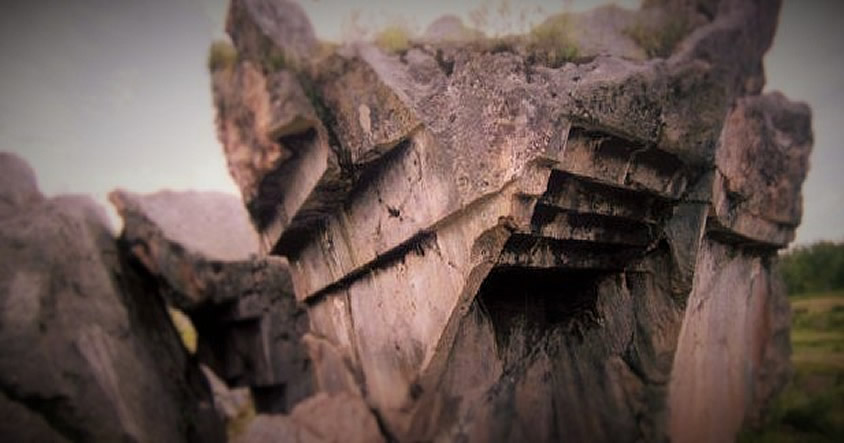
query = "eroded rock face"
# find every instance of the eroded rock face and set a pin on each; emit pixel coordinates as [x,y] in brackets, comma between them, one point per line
[87,352]
[251,329]
[248,322]
[764,156]
[492,247]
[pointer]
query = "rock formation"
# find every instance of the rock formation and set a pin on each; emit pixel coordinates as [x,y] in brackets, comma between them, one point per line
[87,351]
[565,235]
[506,241]
[201,249]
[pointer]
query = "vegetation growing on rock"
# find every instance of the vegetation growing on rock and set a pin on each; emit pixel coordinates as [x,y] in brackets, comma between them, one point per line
[552,41]
[659,40]
[393,39]
[221,55]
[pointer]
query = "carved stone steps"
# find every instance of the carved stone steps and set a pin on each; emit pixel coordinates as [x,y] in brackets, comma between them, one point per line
[559,224]
[530,251]
[583,195]
[608,159]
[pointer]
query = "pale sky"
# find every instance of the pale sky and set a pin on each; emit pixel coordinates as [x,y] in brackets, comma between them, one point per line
[99,94]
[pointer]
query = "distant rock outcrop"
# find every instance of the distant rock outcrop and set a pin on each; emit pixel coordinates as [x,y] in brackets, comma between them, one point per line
[87,351]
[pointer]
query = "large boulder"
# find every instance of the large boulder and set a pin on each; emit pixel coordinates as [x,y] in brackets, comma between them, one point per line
[535,237]
[87,352]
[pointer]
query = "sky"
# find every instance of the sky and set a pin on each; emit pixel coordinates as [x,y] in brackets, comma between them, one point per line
[100,94]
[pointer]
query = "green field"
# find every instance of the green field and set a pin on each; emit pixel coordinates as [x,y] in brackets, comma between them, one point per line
[811,409]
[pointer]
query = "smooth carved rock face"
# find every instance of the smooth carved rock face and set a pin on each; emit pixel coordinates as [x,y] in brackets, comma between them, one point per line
[492,247]
[744,289]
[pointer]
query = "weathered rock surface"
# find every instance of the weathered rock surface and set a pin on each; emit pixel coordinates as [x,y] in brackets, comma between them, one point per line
[18,187]
[494,247]
[742,376]
[187,240]
[87,352]
[248,323]
[230,403]
[322,418]
[266,24]
[764,156]
[207,224]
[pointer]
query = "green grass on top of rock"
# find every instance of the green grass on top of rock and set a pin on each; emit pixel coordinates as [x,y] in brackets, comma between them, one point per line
[221,55]
[552,41]
[393,39]
[659,40]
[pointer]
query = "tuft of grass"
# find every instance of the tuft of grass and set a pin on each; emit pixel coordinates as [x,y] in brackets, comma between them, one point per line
[221,55]
[237,425]
[660,40]
[393,39]
[552,43]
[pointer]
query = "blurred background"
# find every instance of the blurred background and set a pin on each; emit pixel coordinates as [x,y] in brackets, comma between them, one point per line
[99,94]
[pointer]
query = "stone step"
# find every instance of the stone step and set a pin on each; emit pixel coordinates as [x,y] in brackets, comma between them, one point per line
[560,224]
[584,195]
[612,160]
[529,251]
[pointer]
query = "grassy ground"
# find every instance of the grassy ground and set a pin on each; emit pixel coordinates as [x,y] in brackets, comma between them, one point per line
[811,409]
